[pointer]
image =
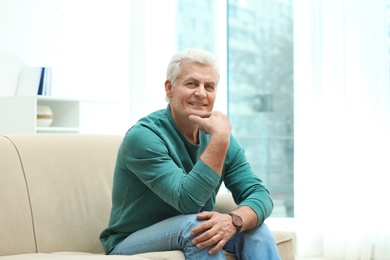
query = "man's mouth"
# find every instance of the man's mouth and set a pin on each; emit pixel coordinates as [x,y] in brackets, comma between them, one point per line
[197,104]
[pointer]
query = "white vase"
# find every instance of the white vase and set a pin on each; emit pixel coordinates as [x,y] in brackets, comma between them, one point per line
[44,116]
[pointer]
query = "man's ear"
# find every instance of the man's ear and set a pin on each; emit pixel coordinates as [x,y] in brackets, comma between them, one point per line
[168,88]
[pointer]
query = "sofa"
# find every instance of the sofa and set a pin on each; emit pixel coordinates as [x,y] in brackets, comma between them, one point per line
[56,196]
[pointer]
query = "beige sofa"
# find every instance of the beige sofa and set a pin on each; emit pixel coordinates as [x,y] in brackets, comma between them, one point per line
[55,198]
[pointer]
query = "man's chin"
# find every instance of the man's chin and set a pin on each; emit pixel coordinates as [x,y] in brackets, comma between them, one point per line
[200,113]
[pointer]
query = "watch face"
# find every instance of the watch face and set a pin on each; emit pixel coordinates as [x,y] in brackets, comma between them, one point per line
[237,221]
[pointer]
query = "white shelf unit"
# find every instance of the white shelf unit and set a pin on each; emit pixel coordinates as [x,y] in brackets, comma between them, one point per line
[18,115]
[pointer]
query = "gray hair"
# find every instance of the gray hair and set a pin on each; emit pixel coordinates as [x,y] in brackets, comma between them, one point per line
[192,55]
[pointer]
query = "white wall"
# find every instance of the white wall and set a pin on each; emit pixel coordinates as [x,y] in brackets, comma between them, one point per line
[85,42]
[152,45]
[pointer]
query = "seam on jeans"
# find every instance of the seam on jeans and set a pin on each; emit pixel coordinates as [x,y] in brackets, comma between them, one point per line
[123,252]
[192,252]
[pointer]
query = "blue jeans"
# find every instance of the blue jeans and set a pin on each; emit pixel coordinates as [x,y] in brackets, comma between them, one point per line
[174,234]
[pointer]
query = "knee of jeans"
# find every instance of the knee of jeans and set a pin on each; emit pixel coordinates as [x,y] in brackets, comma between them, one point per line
[187,223]
[261,233]
[265,232]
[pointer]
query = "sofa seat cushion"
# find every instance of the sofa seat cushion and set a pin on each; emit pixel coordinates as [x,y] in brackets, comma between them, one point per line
[283,239]
[73,256]
[171,255]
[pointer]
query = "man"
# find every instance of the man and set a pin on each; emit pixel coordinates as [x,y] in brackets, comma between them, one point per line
[170,167]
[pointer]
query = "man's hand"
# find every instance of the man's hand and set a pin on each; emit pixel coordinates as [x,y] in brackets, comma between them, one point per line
[213,123]
[216,230]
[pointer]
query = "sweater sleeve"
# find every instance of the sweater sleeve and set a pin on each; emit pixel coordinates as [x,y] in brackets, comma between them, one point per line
[158,165]
[247,188]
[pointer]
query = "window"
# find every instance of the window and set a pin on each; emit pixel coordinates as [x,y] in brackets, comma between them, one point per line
[260,82]
[260,92]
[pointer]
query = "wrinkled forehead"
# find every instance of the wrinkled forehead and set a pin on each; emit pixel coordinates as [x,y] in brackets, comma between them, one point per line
[198,71]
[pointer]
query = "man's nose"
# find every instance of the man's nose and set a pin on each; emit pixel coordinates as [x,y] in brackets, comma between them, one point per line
[200,91]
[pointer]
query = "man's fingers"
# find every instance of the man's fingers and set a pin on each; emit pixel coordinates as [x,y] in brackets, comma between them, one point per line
[200,228]
[217,247]
[198,120]
[204,215]
[195,118]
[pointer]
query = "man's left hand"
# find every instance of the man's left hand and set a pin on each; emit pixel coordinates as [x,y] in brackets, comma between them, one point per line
[216,230]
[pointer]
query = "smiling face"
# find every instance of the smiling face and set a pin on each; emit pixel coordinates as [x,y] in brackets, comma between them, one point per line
[193,92]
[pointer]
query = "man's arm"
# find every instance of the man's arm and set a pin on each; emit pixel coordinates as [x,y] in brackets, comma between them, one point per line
[219,127]
[218,228]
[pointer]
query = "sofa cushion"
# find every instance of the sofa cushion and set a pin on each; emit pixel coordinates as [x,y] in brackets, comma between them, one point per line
[166,255]
[69,181]
[17,235]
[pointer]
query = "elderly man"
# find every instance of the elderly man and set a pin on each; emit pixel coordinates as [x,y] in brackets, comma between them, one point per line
[170,167]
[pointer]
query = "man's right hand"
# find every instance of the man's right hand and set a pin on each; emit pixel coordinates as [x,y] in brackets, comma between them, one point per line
[213,123]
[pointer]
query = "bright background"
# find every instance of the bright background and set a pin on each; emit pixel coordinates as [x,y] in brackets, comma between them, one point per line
[117,50]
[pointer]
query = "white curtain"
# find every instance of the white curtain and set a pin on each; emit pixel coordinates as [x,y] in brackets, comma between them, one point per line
[342,118]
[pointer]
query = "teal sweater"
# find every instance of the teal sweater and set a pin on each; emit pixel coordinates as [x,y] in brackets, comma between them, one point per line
[158,175]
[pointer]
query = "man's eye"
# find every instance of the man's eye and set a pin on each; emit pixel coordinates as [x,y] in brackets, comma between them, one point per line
[210,87]
[190,84]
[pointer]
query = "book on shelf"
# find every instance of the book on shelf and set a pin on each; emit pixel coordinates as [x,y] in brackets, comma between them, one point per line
[34,81]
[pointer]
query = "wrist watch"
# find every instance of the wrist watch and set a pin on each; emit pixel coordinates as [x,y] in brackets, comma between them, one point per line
[237,221]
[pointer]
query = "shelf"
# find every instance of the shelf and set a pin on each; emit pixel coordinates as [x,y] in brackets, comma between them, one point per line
[18,115]
[50,129]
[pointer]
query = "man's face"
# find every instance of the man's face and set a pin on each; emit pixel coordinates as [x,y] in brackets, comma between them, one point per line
[194,91]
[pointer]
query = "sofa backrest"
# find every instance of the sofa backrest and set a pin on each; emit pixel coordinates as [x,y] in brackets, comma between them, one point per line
[64,183]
